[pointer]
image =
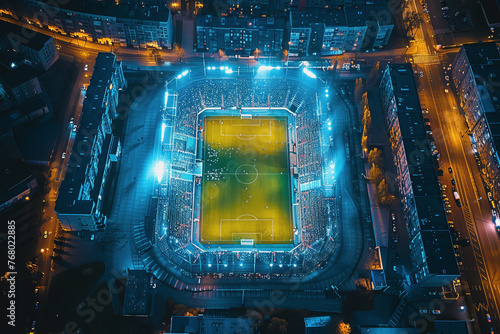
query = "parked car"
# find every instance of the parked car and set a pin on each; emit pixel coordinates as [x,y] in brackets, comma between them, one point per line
[450,170]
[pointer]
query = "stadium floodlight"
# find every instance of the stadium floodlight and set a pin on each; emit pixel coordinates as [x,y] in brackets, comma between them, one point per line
[229,71]
[209,265]
[159,170]
[226,68]
[326,90]
[281,265]
[309,73]
[265,68]
[225,265]
[278,68]
[295,265]
[179,76]
[329,123]
[241,264]
[185,73]
[221,68]
[12,65]
[166,98]
[163,126]
[270,264]
[326,95]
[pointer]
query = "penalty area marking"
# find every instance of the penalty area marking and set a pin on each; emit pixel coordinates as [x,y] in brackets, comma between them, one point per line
[249,136]
[240,220]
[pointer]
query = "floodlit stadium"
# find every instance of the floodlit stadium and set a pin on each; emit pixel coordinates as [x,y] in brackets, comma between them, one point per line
[245,174]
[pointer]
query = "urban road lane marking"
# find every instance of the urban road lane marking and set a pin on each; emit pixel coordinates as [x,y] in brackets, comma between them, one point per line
[470,226]
[480,306]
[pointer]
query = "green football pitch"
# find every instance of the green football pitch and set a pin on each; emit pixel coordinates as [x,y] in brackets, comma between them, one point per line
[246,181]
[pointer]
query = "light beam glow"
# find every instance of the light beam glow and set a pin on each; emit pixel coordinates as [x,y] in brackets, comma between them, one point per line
[309,73]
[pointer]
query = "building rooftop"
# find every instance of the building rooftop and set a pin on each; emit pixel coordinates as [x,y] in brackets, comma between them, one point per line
[418,151]
[317,321]
[484,59]
[357,17]
[210,325]
[303,19]
[404,87]
[233,21]
[90,122]
[16,76]
[340,17]
[440,252]
[388,330]
[138,297]
[433,223]
[411,124]
[35,41]
[424,181]
[149,10]
[451,327]
[37,141]
[431,213]
[491,11]
[14,176]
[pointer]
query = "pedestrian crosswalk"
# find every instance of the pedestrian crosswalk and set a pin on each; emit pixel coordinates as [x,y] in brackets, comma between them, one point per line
[425,59]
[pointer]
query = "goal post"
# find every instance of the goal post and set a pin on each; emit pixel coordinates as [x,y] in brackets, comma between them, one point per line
[247,242]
